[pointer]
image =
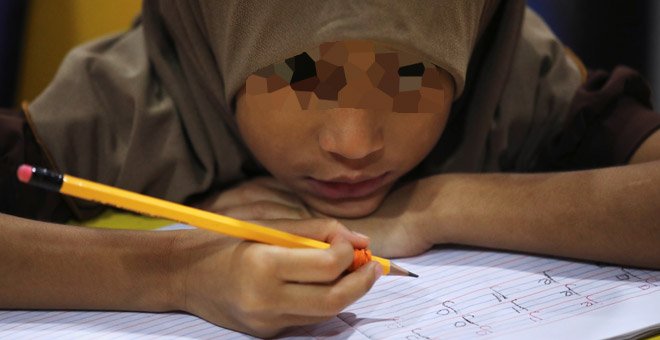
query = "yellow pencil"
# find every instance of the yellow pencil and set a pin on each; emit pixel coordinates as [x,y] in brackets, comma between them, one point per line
[151,206]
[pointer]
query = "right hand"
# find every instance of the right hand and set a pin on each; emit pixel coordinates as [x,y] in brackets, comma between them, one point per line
[262,289]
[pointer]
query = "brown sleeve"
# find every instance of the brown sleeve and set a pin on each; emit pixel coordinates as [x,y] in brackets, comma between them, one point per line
[19,146]
[611,117]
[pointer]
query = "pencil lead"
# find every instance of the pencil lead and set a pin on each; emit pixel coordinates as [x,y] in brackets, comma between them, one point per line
[398,271]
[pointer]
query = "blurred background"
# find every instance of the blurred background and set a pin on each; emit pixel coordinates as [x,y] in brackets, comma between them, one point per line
[36,34]
[606,33]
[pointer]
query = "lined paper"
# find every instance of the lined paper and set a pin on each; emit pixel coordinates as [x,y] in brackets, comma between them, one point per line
[461,293]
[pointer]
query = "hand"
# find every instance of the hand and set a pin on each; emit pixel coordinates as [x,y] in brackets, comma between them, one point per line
[394,229]
[261,198]
[261,289]
[398,228]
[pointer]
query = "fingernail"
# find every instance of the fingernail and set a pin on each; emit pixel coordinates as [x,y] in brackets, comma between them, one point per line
[360,235]
[379,270]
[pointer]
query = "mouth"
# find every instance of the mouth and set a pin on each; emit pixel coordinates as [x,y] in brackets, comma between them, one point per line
[344,187]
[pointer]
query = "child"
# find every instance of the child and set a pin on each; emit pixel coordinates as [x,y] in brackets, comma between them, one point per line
[415,123]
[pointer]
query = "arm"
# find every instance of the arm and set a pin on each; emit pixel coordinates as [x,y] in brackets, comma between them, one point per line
[609,214]
[249,287]
[48,266]
[254,288]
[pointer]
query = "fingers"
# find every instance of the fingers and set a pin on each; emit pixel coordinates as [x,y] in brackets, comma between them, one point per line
[264,210]
[262,289]
[328,300]
[307,304]
[269,300]
[256,190]
[256,199]
[314,265]
[272,183]
[299,269]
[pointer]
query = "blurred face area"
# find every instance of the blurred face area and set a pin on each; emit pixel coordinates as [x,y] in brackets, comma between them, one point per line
[340,124]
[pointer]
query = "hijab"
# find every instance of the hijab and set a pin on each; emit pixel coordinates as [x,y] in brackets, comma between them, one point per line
[150,110]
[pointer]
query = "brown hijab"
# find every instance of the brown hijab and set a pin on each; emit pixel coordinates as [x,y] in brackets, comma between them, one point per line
[151,110]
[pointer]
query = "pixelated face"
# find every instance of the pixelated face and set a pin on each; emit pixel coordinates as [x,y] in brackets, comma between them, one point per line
[340,124]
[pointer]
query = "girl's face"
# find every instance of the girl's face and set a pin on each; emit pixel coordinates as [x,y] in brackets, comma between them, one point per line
[340,124]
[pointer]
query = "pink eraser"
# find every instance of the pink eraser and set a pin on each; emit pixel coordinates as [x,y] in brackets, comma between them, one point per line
[24,173]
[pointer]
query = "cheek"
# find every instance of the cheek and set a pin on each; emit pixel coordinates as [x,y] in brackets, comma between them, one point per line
[256,128]
[275,136]
[414,135]
[435,107]
[265,138]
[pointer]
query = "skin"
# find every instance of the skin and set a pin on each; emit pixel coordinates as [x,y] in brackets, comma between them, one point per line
[261,289]
[583,215]
[356,139]
[249,287]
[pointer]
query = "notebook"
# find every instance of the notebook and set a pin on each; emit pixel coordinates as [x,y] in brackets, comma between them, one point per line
[461,293]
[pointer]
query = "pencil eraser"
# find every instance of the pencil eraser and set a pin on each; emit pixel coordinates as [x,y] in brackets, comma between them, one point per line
[24,173]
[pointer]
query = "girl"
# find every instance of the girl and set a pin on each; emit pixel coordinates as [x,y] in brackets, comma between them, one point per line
[415,123]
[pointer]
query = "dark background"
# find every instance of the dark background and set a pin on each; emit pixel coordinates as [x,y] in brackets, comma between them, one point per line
[12,13]
[604,33]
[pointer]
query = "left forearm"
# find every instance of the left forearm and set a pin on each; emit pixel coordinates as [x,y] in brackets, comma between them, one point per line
[610,215]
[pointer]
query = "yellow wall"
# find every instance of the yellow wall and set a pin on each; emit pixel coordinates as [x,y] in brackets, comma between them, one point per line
[55,26]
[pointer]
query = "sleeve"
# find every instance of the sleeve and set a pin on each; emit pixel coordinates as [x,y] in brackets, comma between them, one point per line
[609,118]
[18,145]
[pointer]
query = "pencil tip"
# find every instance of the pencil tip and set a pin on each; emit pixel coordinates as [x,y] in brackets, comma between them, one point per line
[396,270]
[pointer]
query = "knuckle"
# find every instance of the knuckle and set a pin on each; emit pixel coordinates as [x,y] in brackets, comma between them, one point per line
[269,261]
[334,223]
[262,262]
[337,226]
[331,264]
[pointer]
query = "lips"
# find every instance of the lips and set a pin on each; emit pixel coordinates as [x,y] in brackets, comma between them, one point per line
[344,188]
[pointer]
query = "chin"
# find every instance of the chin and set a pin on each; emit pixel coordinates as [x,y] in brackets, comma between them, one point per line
[346,208]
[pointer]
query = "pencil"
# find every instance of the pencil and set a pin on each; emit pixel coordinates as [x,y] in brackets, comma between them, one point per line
[151,206]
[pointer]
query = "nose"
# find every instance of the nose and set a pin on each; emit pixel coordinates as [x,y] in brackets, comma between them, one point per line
[352,134]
